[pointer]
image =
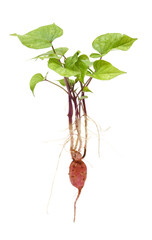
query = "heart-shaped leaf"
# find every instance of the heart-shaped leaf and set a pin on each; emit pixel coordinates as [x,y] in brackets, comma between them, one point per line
[71,61]
[83,63]
[105,70]
[34,80]
[86,89]
[95,55]
[62,82]
[56,66]
[107,42]
[83,97]
[50,54]
[41,37]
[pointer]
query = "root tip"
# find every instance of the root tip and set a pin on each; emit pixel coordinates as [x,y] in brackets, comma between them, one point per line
[79,191]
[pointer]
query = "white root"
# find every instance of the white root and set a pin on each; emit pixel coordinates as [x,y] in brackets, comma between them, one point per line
[98,132]
[56,173]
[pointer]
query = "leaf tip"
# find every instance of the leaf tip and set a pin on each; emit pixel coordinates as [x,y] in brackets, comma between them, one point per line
[13,34]
[32,90]
[135,39]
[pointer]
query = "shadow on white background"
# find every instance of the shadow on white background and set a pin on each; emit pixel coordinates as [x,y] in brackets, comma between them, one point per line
[116,200]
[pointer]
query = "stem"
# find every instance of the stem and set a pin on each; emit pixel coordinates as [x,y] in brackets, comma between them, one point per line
[53,49]
[86,135]
[80,123]
[56,54]
[70,114]
[86,125]
[76,106]
[56,85]
[85,85]
[77,123]
[90,70]
[88,82]
[67,85]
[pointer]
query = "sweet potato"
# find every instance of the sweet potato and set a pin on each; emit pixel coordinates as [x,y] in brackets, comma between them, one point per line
[78,175]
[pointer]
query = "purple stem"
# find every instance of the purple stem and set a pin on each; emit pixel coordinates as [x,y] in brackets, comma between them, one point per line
[70,114]
[76,106]
[85,115]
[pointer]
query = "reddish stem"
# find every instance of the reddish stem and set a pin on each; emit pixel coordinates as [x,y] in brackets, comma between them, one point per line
[85,117]
[76,107]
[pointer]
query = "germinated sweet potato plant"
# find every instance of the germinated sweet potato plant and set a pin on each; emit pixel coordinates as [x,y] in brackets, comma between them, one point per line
[77,72]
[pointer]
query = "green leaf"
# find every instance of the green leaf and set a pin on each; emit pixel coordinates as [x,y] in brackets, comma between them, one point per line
[105,70]
[83,97]
[86,89]
[46,55]
[62,82]
[34,80]
[41,37]
[89,74]
[107,42]
[51,54]
[71,61]
[83,63]
[95,55]
[56,66]
[61,51]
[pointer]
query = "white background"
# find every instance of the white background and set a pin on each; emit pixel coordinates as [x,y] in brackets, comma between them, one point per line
[116,202]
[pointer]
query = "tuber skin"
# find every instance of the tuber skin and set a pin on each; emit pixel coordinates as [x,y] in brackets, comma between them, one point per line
[77,174]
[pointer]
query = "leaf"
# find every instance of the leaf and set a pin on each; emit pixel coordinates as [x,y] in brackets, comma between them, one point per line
[34,80]
[105,70]
[62,82]
[83,63]
[95,55]
[70,61]
[46,55]
[89,74]
[51,54]
[61,51]
[107,42]
[56,66]
[86,89]
[83,97]
[41,37]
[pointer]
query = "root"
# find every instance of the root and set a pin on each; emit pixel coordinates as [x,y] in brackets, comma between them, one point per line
[86,118]
[78,129]
[86,134]
[76,144]
[79,191]
[98,132]
[71,136]
[64,146]
[56,173]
